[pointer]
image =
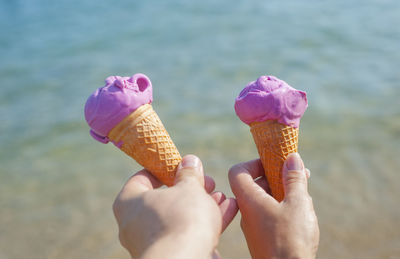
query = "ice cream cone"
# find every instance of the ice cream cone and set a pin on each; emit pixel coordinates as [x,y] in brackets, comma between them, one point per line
[274,141]
[142,136]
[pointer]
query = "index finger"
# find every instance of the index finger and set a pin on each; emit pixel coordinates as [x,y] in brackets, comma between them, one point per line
[253,167]
[246,190]
[140,182]
[136,185]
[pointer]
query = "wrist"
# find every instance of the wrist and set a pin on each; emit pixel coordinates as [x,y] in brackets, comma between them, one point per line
[181,244]
[293,253]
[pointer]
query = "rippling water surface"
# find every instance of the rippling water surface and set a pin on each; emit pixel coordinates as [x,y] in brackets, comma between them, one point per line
[57,184]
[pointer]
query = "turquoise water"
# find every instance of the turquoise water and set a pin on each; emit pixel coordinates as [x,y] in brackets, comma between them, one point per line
[57,184]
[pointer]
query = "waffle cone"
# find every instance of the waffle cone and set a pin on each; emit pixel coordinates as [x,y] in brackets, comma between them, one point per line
[142,136]
[274,141]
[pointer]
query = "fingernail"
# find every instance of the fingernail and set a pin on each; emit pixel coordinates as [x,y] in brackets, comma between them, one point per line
[190,161]
[294,162]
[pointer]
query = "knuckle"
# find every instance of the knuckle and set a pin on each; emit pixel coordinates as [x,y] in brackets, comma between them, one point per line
[188,179]
[306,199]
[121,237]
[303,199]
[310,202]
[192,180]
[116,207]
[294,176]
[187,172]
[242,224]
[233,171]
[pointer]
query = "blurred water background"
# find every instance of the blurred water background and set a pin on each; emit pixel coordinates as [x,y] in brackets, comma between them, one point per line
[57,184]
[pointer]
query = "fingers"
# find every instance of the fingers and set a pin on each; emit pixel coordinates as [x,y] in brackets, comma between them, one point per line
[241,179]
[215,254]
[294,177]
[138,183]
[218,197]
[146,179]
[228,209]
[209,184]
[190,170]
[254,168]
[263,183]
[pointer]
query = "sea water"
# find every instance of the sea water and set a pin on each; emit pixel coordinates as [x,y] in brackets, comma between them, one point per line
[57,184]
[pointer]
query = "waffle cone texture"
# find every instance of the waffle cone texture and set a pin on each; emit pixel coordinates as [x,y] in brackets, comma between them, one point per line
[142,136]
[274,141]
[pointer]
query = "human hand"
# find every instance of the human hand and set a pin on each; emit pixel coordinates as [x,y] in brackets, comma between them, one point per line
[183,221]
[288,229]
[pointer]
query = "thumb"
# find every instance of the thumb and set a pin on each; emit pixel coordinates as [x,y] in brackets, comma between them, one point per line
[190,169]
[294,177]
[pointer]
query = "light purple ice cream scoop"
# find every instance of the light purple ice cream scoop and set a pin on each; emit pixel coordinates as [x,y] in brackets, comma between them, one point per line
[110,104]
[270,98]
